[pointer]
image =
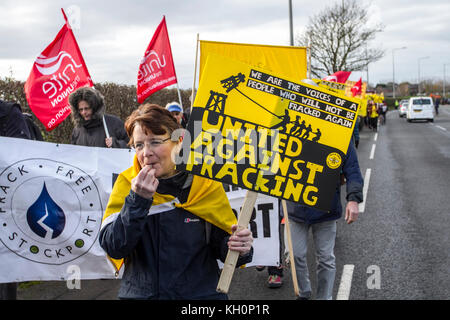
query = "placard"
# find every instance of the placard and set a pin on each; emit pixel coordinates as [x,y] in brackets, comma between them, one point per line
[267,133]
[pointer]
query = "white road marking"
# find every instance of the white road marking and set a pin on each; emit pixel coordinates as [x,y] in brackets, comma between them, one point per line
[375,137]
[362,205]
[372,152]
[442,128]
[346,282]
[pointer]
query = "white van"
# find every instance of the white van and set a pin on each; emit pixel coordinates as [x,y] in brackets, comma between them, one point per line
[420,108]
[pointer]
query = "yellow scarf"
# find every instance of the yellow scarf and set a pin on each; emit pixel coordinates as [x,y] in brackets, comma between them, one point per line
[207,200]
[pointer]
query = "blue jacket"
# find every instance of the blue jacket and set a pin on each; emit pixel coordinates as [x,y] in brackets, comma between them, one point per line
[354,183]
[356,130]
[170,255]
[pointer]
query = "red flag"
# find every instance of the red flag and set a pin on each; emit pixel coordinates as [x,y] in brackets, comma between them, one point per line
[57,72]
[339,76]
[156,70]
[356,89]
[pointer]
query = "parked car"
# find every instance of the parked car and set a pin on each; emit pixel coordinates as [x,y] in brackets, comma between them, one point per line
[402,108]
[420,108]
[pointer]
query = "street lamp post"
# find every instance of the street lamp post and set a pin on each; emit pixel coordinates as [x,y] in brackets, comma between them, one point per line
[443,86]
[418,64]
[291,31]
[393,70]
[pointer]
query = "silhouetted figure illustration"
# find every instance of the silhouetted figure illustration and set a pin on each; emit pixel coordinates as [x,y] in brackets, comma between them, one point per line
[285,120]
[318,134]
[300,129]
[296,127]
[308,130]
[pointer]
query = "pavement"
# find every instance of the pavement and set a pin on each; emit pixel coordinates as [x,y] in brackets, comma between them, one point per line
[247,284]
[58,290]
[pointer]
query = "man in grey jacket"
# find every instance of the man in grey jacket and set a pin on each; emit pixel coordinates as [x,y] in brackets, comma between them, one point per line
[323,226]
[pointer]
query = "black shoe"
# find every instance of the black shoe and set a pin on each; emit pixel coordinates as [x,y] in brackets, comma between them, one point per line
[302,298]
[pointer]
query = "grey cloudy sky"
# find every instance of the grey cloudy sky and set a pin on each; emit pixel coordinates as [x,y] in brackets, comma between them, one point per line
[113,35]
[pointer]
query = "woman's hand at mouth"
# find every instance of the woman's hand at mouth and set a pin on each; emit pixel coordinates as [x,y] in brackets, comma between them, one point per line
[145,183]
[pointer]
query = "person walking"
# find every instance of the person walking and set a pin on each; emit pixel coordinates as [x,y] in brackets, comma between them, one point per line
[275,273]
[12,121]
[373,116]
[169,226]
[437,101]
[88,116]
[355,134]
[13,125]
[177,111]
[323,227]
[383,112]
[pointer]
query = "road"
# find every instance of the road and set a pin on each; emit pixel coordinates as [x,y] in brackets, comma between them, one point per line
[404,228]
[398,249]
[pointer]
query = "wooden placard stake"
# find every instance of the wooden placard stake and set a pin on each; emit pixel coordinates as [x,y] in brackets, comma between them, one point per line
[289,243]
[232,256]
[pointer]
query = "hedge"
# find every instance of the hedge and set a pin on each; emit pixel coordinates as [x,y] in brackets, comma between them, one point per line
[120,100]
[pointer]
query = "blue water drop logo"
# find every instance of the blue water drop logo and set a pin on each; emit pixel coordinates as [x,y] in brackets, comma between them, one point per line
[45,217]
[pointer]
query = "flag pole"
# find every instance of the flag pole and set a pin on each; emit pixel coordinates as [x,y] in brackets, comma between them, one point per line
[106,128]
[195,73]
[103,117]
[283,202]
[309,57]
[179,96]
[104,122]
[175,71]
[291,252]
[64,14]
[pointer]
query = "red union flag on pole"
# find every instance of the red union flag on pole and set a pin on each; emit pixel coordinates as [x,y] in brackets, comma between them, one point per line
[339,76]
[156,70]
[57,72]
[356,89]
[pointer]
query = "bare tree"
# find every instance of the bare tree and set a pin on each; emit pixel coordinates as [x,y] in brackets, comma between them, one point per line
[339,38]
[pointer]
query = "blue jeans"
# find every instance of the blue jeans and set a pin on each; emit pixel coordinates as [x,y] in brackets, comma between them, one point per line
[324,236]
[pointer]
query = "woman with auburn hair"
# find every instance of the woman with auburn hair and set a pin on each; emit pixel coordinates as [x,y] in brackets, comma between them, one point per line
[167,227]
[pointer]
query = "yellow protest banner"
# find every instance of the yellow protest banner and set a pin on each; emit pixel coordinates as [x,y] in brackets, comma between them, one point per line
[267,133]
[349,85]
[287,60]
[331,86]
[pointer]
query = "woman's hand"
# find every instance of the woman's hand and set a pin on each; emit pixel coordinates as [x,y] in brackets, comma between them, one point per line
[145,183]
[109,142]
[241,240]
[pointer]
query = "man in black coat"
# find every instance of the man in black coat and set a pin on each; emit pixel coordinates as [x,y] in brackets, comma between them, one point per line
[88,116]
[12,121]
[12,124]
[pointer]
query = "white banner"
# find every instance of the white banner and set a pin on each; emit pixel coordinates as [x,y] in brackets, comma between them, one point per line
[264,224]
[52,199]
